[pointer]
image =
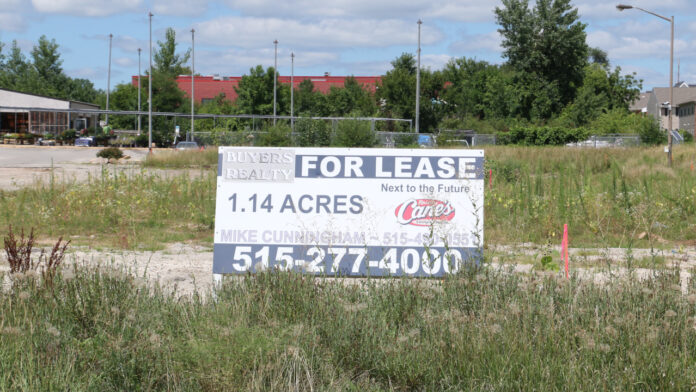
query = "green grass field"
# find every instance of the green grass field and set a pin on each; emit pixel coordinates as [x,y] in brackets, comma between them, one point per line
[483,329]
[480,330]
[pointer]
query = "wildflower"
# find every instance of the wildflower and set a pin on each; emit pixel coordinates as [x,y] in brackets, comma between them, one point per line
[68,275]
[670,313]
[24,295]
[691,299]
[53,331]
[11,331]
[496,329]
[155,339]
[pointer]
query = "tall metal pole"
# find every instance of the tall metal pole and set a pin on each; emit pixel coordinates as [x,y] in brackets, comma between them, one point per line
[671,92]
[275,77]
[193,73]
[149,81]
[139,90]
[420,22]
[292,91]
[108,80]
[622,7]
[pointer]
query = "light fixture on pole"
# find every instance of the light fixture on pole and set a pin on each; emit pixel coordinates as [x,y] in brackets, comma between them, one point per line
[420,22]
[292,90]
[275,77]
[139,107]
[149,99]
[622,7]
[108,81]
[193,86]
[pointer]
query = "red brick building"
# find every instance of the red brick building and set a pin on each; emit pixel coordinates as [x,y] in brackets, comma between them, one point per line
[209,87]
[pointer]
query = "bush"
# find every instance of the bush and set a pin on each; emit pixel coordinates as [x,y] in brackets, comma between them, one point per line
[687,135]
[276,136]
[543,136]
[110,153]
[650,133]
[312,133]
[354,133]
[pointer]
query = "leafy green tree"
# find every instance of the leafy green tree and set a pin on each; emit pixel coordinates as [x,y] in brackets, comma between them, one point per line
[166,60]
[351,98]
[312,133]
[15,70]
[354,133]
[309,102]
[255,93]
[547,46]
[397,93]
[276,136]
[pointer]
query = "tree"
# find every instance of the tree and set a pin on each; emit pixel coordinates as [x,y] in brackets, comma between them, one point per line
[255,93]
[397,92]
[15,71]
[546,46]
[353,98]
[167,61]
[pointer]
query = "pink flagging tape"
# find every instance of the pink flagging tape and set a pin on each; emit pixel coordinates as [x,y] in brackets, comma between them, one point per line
[564,248]
[490,178]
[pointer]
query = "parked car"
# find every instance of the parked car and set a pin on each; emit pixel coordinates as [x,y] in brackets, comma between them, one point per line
[84,141]
[46,142]
[186,145]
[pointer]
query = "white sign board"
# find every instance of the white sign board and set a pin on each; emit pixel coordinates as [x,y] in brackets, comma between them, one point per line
[348,212]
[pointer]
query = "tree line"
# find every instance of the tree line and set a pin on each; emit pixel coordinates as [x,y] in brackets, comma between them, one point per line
[550,77]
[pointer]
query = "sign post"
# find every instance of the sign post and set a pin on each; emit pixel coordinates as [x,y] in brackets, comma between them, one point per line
[348,212]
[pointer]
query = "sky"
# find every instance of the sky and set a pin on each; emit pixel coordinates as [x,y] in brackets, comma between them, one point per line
[342,37]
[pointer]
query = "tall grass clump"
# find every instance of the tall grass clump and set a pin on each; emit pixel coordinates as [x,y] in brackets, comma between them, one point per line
[182,159]
[608,197]
[105,329]
[123,209]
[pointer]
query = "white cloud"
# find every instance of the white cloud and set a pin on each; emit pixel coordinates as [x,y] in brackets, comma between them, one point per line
[489,42]
[88,73]
[461,10]
[238,62]
[86,7]
[126,62]
[11,22]
[179,7]
[252,32]
[434,61]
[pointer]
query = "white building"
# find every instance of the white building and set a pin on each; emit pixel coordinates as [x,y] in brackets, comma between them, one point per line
[31,118]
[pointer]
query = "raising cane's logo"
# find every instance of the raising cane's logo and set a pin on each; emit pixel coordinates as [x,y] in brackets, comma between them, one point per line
[424,212]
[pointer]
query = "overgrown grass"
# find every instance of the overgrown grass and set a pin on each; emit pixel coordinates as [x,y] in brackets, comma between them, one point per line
[182,159]
[480,330]
[608,197]
[122,209]
[618,197]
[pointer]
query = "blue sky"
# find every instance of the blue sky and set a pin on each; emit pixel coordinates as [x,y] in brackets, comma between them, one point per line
[343,37]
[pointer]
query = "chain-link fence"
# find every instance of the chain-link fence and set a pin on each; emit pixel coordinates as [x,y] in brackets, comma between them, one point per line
[616,140]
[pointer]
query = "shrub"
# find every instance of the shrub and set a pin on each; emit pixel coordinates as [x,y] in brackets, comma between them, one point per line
[276,136]
[354,133]
[542,136]
[110,153]
[650,133]
[312,133]
[687,135]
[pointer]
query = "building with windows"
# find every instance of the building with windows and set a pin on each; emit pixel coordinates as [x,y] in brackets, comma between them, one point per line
[209,87]
[23,112]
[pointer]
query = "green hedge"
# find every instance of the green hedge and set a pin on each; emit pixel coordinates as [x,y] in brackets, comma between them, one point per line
[542,136]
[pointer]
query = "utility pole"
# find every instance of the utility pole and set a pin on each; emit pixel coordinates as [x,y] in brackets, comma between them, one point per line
[420,22]
[193,73]
[108,80]
[292,90]
[149,81]
[275,77]
[139,107]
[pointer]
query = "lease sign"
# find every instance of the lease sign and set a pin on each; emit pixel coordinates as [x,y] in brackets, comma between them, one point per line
[348,212]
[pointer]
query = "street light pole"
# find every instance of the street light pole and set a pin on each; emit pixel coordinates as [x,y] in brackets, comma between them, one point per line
[420,22]
[193,86]
[275,76]
[622,7]
[149,100]
[108,80]
[139,107]
[292,91]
